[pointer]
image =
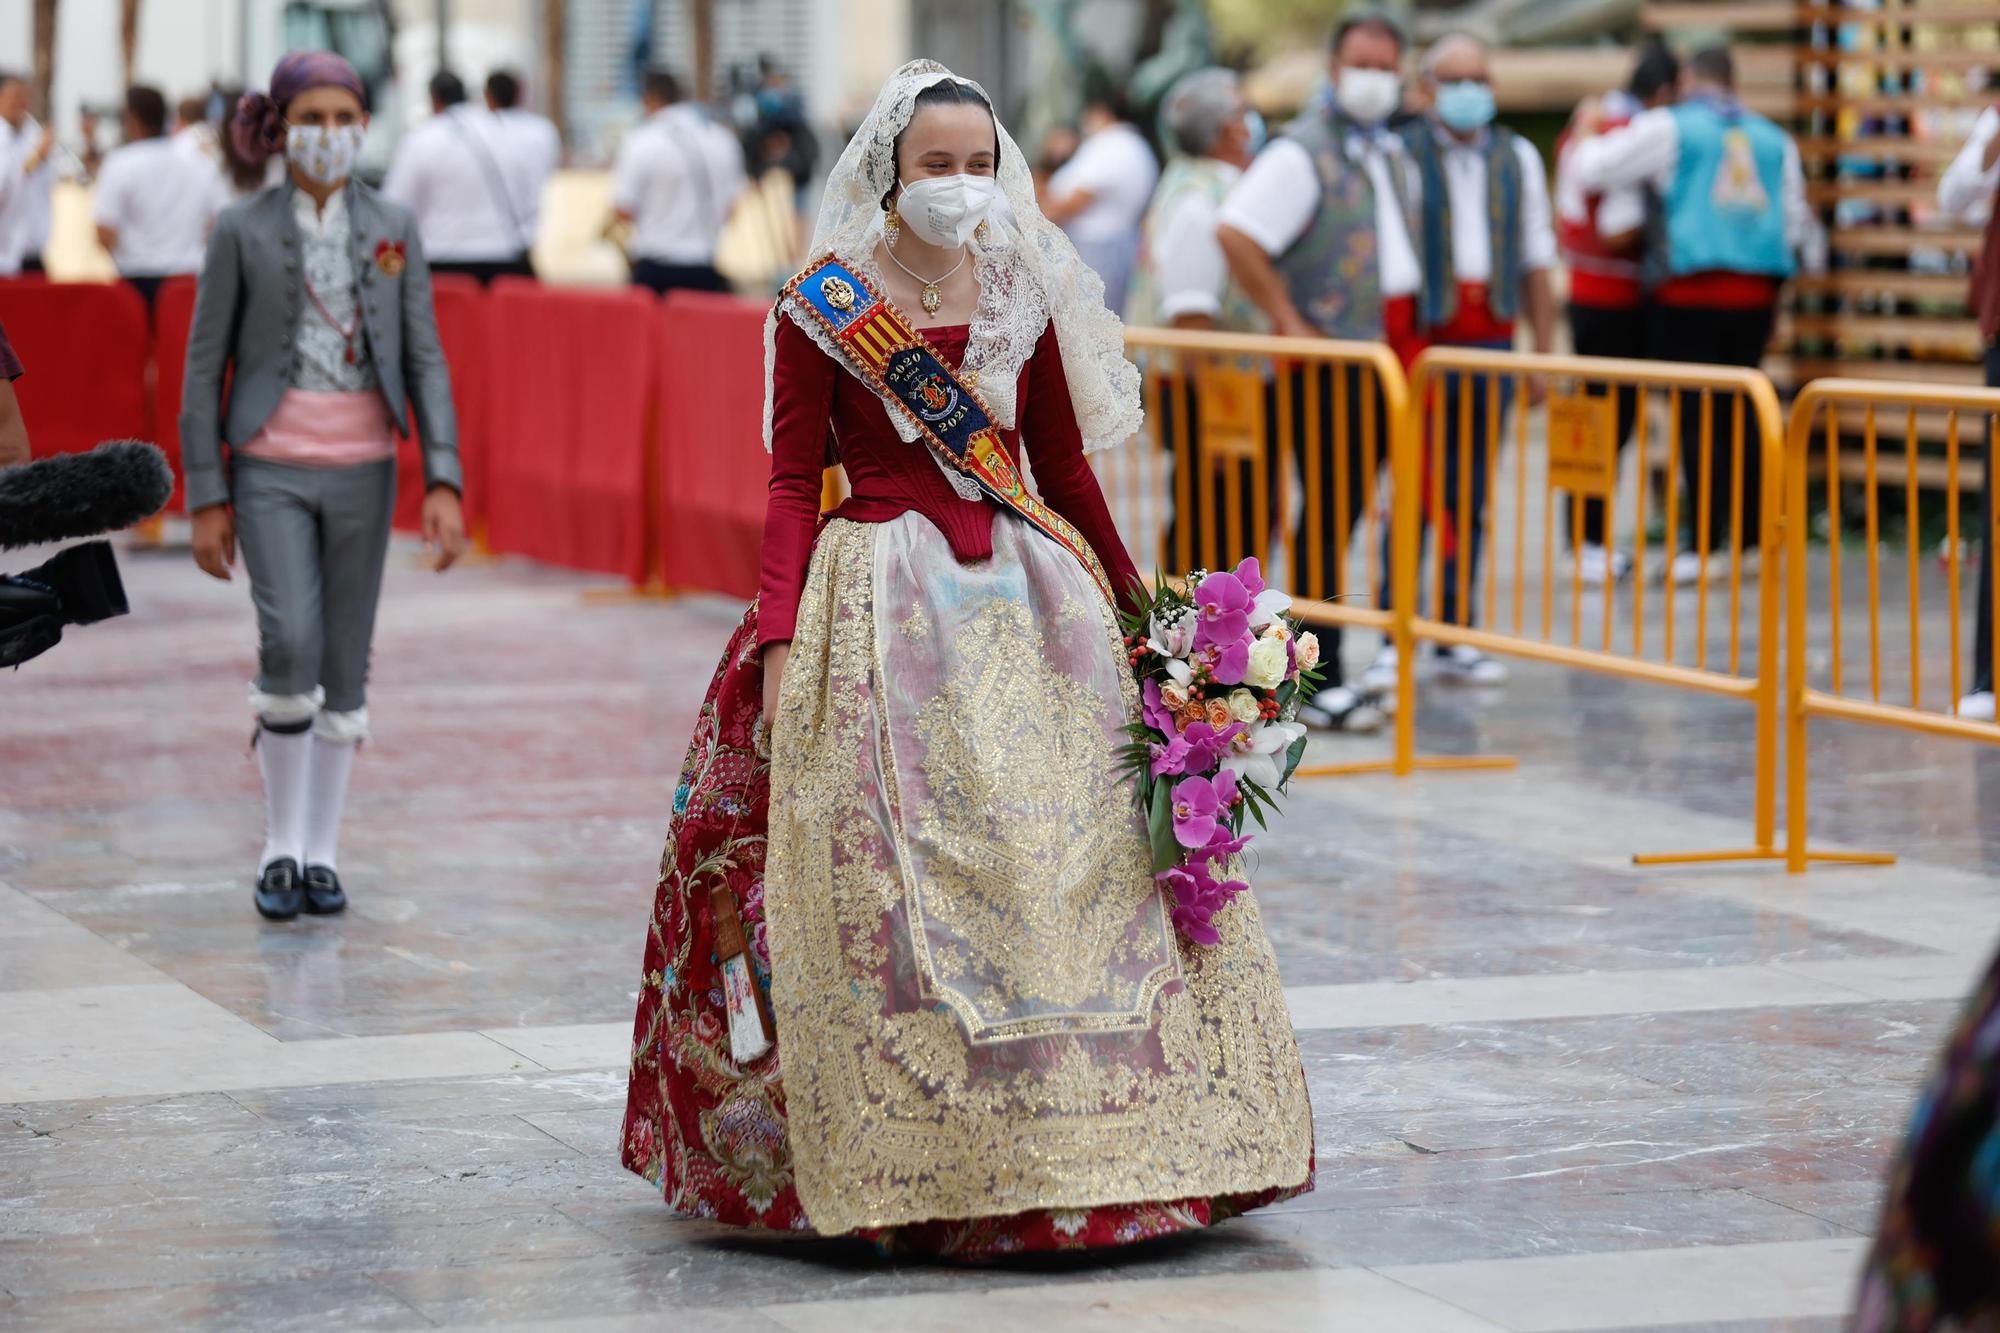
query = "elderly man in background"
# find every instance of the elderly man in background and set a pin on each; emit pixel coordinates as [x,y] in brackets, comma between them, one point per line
[1970,190]
[1317,233]
[156,199]
[1734,213]
[1100,194]
[1183,281]
[27,174]
[1487,243]
[449,172]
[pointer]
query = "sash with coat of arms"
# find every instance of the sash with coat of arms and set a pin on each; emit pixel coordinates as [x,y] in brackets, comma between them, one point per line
[888,352]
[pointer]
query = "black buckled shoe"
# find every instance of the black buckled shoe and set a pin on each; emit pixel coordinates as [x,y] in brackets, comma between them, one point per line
[279,893]
[324,895]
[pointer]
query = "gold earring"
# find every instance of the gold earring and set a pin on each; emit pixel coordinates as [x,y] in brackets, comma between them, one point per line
[982,233]
[892,227]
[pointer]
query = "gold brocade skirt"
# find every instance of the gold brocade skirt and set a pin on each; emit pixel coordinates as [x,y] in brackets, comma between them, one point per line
[982,1006]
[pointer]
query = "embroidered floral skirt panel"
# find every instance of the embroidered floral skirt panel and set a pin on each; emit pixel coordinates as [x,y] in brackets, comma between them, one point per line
[991,1038]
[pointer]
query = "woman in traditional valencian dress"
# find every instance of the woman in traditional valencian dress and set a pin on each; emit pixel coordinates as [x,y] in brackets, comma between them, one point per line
[991,1038]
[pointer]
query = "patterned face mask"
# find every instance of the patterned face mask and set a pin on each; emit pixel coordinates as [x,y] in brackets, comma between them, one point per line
[323,153]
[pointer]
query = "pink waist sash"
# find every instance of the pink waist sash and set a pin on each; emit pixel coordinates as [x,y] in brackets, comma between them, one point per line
[317,428]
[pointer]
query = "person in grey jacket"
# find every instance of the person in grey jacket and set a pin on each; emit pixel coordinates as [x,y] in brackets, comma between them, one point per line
[315,310]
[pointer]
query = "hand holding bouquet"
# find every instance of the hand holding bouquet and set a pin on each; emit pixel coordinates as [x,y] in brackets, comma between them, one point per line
[1221,671]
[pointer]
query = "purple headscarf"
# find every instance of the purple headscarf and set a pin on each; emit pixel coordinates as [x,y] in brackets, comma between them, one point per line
[259,125]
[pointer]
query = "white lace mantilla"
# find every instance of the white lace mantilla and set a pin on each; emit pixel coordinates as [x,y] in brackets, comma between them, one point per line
[1029,277]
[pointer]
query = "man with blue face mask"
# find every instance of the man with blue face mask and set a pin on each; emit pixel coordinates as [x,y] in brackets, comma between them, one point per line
[1487,242]
[1317,234]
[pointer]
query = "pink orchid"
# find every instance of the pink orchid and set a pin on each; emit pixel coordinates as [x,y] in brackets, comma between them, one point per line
[1195,903]
[1233,662]
[1251,575]
[1170,757]
[1196,810]
[1206,745]
[1153,709]
[1224,605]
[1221,847]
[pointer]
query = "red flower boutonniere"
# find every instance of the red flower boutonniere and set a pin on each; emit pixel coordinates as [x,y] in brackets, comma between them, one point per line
[389,257]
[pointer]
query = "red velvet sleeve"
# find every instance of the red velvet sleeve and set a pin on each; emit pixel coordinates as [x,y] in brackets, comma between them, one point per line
[1054,446]
[801,420]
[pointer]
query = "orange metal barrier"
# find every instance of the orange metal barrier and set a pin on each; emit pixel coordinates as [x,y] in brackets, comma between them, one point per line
[1878,413]
[1280,448]
[1725,644]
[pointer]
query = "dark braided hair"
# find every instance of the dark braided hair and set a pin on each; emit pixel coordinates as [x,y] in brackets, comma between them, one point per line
[945,92]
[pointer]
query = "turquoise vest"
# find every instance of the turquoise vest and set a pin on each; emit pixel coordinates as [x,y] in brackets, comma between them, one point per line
[1331,272]
[1503,224]
[1725,210]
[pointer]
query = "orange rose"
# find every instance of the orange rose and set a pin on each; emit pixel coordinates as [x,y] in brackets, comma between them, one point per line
[1195,712]
[1218,714]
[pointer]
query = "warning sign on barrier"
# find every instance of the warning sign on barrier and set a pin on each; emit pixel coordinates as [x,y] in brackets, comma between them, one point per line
[1231,414]
[1583,444]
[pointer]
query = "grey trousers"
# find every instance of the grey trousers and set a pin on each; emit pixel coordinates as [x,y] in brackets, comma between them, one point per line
[314,541]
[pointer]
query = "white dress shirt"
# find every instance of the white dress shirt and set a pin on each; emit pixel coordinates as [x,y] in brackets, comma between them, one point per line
[1277,197]
[1618,211]
[24,195]
[1471,235]
[1184,259]
[1648,151]
[161,199]
[1117,169]
[450,172]
[1965,187]
[531,150]
[678,175]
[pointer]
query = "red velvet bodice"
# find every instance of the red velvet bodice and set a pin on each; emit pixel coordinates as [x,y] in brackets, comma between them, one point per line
[817,402]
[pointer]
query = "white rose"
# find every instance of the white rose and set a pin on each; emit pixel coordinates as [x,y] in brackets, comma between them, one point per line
[1243,706]
[1268,661]
[1308,651]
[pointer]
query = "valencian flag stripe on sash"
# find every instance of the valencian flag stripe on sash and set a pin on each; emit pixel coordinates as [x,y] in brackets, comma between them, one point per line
[899,361]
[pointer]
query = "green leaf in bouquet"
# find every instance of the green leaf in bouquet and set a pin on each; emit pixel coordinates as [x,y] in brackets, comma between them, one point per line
[1160,829]
[1295,753]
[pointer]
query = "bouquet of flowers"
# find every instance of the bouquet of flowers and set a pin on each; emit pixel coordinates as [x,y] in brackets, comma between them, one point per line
[1221,670]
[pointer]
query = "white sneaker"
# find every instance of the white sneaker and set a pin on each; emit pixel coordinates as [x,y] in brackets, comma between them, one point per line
[1685,570]
[1465,665]
[1596,566]
[1380,677]
[1976,707]
[1339,708]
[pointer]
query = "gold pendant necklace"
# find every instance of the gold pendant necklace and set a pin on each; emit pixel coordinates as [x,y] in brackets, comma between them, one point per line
[931,298]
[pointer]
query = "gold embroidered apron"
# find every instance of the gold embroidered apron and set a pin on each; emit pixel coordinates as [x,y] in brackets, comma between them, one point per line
[981,1004]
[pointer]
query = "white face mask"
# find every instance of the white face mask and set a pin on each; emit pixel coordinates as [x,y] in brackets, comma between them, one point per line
[946,210]
[1368,96]
[323,153]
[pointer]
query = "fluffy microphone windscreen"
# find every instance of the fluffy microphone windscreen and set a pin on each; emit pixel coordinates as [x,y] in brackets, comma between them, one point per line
[82,495]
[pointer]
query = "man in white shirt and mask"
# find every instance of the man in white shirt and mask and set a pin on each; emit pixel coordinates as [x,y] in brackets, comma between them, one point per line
[1100,194]
[450,172]
[27,174]
[677,179]
[155,199]
[1318,235]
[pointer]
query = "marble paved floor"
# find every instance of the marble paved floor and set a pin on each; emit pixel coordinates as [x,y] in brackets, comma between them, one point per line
[1552,1092]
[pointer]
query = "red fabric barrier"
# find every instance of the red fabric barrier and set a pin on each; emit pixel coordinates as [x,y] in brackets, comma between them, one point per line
[173,316]
[461,317]
[85,347]
[714,472]
[570,376]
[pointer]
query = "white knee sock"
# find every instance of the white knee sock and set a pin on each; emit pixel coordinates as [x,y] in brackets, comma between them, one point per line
[326,800]
[284,758]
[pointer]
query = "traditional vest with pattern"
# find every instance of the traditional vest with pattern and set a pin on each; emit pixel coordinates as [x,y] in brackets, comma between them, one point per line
[1332,272]
[1439,305]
